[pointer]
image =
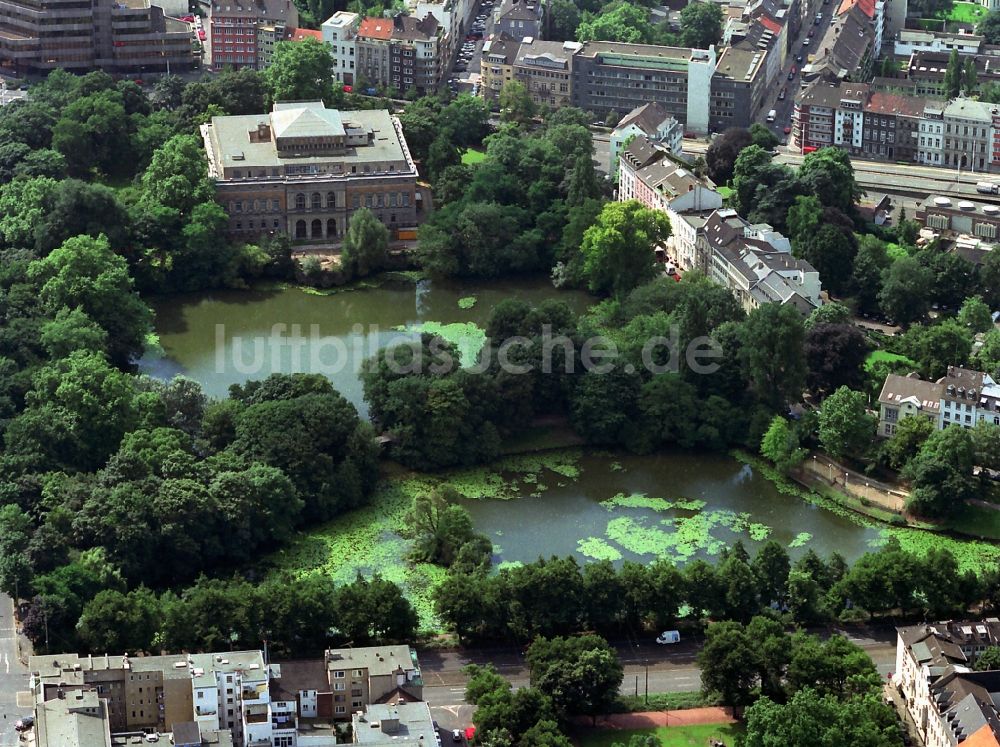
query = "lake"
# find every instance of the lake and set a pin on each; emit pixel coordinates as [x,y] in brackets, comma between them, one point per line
[221,338]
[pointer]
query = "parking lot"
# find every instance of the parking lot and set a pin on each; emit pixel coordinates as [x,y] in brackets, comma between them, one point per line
[465,69]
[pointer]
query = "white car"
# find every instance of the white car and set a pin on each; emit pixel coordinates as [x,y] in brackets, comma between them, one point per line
[669,636]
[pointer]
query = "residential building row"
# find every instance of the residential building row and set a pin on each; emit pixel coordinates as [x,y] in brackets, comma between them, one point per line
[962,397]
[882,126]
[110,35]
[950,703]
[303,170]
[235,698]
[753,261]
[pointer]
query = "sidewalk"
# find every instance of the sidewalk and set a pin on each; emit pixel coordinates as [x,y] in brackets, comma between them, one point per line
[836,475]
[653,719]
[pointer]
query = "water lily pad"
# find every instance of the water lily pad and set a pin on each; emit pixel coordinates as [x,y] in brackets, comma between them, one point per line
[598,549]
[800,539]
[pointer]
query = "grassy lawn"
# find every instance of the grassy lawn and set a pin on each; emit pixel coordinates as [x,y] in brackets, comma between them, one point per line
[472,156]
[963,13]
[669,736]
[726,192]
[884,355]
[977,521]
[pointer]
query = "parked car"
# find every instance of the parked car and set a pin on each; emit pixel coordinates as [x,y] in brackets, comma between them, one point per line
[24,724]
[812,32]
[669,636]
[798,58]
[456,735]
[788,130]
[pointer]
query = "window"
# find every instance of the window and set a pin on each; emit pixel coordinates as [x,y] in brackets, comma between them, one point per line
[338,686]
[331,199]
[300,204]
[340,709]
[316,200]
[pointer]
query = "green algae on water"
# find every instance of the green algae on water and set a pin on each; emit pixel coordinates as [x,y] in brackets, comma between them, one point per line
[800,539]
[467,302]
[597,549]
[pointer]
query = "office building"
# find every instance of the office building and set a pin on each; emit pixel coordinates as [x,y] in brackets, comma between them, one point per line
[130,36]
[618,77]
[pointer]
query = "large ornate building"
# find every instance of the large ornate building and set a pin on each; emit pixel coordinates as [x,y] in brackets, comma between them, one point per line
[304,169]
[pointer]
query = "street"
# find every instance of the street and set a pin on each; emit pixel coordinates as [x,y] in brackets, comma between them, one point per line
[789,82]
[670,669]
[467,77]
[13,675]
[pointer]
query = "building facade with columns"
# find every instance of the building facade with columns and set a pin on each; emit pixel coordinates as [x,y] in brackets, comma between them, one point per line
[304,169]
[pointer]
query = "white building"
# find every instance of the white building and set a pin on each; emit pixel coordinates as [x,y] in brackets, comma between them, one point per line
[755,263]
[968,397]
[646,173]
[949,703]
[651,121]
[930,136]
[910,40]
[339,31]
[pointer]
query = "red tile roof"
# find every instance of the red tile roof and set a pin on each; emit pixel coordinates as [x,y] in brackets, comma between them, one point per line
[891,103]
[984,737]
[302,34]
[867,7]
[771,25]
[376,28]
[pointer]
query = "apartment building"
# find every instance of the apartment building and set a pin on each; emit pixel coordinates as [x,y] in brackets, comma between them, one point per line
[648,173]
[891,127]
[155,694]
[243,32]
[847,50]
[618,77]
[455,17]
[304,169]
[388,725]
[961,397]
[99,35]
[755,263]
[927,70]
[905,397]
[339,31]
[960,217]
[404,52]
[830,114]
[971,134]
[229,699]
[520,18]
[496,66]
[930,135]
[363,676]
[650,121]
[949,703]
[908,41]
[545,69]
[738,87]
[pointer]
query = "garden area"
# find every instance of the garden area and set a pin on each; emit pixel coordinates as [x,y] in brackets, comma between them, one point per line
[697,735]
[953,18]
[473,156]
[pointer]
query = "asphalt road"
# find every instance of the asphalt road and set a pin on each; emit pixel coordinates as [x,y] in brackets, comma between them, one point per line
[783,107]
[13,675]
[670,669]
[466,77]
